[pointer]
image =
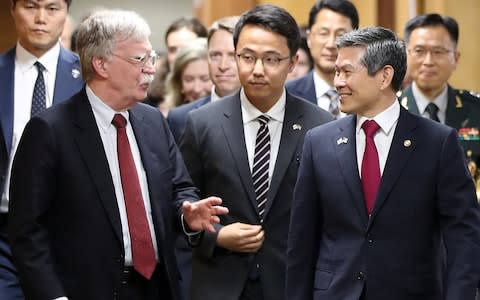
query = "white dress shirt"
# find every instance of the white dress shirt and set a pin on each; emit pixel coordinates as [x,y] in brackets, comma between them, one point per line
[24,80]
[104,116]
[321,89]
[251,125]
[387,120]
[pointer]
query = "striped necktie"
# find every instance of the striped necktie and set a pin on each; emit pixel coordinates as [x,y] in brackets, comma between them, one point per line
[261,164]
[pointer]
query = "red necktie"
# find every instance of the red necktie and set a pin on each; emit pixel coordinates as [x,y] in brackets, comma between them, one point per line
[370,165]
[143,254]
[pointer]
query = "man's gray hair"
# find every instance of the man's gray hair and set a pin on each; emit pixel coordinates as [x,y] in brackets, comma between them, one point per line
[99,34]
[382,47]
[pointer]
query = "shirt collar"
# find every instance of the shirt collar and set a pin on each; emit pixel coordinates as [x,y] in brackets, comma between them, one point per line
[251,113]
[321,86]
[103,112]
[26,60]
[386,119]
[213,95]
[422,101]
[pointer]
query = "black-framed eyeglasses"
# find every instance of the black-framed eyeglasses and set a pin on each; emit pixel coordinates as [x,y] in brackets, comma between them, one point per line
[140,60]
[269,61]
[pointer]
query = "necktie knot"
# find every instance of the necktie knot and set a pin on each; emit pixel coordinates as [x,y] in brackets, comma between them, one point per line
[263,119]
[39,66]
[370,127]
[119,121]
[39,97]
[332,94]
[333,108]
[432,110]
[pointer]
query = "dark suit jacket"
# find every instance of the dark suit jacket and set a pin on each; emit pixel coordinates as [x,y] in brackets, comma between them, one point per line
[303,87]
[426,195]
[64,224]
[214,150]
[177,117]
[463,111]
[66,85]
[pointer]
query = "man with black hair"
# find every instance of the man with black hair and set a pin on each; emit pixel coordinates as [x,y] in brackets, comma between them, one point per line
[245,149]
[35,74]
[432,57]
[328,19]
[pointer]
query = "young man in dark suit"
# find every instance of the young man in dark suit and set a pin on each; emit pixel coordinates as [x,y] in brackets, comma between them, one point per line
[384,205]
[39,58]
[98,185]
[245,149]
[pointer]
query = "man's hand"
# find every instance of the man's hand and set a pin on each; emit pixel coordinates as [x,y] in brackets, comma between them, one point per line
[241,237]
[200,215]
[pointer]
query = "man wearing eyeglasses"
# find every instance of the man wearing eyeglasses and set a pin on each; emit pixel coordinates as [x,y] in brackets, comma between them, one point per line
[328,20]
[98,189]
[245,149]
[432,57]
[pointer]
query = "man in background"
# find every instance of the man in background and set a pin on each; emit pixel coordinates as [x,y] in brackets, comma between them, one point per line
[328,20]
[222,67]
[35,74]
[432,57]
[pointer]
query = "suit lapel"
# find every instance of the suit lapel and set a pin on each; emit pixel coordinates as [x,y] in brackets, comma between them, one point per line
[344,143]
[7,71]
[68,76]
[144,136]
[91,148]
[403,144]
[288,144]
[232,125]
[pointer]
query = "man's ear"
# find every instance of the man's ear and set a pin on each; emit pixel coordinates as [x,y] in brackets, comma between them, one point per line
[386,76]
[100,66]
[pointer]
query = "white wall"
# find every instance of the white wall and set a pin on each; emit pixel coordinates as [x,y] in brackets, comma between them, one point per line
[158,13]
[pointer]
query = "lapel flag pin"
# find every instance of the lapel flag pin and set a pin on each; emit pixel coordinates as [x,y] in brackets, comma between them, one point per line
[75,73]
[407,143]
[342,140]
[297,127]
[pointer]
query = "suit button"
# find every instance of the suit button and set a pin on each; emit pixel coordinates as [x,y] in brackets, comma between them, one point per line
[360,276]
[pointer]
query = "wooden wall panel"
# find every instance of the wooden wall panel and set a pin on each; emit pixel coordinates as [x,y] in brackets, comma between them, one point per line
[210,10]
[8,35]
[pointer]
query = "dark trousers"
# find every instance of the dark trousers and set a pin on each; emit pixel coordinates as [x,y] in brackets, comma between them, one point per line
[252,290]
[136,287]
[9,285]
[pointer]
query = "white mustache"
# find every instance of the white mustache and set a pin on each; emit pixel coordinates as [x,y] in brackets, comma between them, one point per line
[146,79]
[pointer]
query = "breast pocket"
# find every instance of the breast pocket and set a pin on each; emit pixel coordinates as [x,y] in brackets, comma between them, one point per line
[323,278]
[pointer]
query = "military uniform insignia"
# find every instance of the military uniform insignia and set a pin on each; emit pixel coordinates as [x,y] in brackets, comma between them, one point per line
[458,102]
[469,134]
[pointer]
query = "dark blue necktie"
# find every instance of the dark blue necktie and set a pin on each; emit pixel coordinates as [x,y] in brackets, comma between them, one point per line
[39,98]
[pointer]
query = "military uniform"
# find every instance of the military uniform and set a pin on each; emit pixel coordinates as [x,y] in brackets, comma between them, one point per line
[463,114]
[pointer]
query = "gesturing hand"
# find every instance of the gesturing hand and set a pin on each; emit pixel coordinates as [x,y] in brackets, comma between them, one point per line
[202,214]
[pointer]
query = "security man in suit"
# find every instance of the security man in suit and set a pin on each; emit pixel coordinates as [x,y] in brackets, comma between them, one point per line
[432,56]
[36,65]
